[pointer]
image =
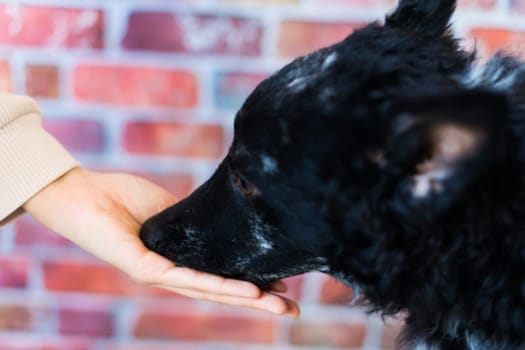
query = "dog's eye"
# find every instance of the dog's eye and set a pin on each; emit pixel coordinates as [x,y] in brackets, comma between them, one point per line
[244,186]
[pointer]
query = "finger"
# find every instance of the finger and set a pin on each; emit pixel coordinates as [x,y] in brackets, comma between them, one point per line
[154,269]
[181,277]
[277,287]
[293,308]
[266,302]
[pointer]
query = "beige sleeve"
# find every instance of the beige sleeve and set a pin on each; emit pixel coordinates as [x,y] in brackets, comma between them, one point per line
[30,158]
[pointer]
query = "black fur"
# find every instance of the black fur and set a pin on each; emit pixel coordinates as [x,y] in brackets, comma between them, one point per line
[392,160]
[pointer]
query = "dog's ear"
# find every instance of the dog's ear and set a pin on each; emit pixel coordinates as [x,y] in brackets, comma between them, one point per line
[429,18]
[440,145]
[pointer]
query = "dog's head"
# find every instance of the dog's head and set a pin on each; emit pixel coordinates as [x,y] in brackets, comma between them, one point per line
[377,126]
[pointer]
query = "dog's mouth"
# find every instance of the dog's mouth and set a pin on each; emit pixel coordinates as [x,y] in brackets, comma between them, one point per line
[260,279]
[263,279]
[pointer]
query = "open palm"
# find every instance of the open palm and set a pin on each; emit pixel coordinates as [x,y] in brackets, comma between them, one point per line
[103,213]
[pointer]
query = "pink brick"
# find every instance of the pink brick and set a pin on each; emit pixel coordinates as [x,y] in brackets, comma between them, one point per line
[391,330]
[134,86]
[477,4]
[357,3]
[195,34]
[232,88]
[490,40]
[154,345]
[30,233]
[14,271]
[264,2]
[73,276]
[184,140]
[178,184]
[5,76]
[295,286]
[77,135]
[348,335]
[39,342]
[297,38]
[86,322]
[15,317]
[518,6]
[204,327]
[42,81]
[334,292]
[390,4]
[68,275]
[51,27]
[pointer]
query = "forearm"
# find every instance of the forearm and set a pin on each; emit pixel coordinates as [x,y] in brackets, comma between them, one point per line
[30,158]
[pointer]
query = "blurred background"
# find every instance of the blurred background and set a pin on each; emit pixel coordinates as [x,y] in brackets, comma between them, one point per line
[151,87]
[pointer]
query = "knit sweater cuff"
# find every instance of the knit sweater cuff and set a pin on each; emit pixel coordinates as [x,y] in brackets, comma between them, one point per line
[30,159]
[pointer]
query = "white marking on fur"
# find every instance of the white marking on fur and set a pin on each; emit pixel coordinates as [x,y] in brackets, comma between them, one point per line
[241,150]
[285,132]
[493,74]
[316,264]
[269,164]
[192,235]
[257,230]
[297,84]
[329,60]
[473,343]
[427,183]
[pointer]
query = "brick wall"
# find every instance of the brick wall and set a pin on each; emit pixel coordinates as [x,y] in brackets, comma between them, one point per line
[151,87]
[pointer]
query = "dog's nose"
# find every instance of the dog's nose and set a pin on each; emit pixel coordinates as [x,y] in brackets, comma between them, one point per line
[151,233]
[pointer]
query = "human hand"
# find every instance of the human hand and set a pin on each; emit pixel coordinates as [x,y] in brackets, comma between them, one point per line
[103,212]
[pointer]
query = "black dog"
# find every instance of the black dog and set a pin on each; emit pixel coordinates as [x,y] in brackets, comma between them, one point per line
[393,160]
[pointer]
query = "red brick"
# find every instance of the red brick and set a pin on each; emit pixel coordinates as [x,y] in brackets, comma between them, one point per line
[297,38]
[357,3]
[134,86]
[5,76]
[153,346]
[64,345]
[42,81]
[391,331]
[14,272]
[184,140]
[344,335]
[264,2]
[489,40]
[232,88]
[477,4]
[15,317]
[388,4]
[195,34]
[204,327]
[68,275]
[51,27]
[295,286]
[77,135]
[30,233]
[518,6]
[73,276]
[178,184]
[86,322]
[334,292]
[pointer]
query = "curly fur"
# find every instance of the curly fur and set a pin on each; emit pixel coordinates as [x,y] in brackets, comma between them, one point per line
[393,160]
